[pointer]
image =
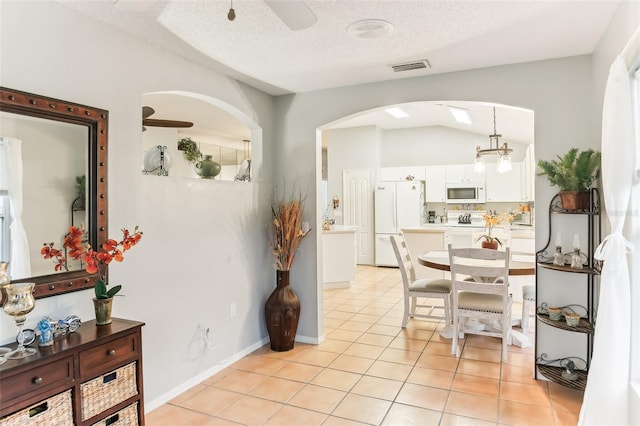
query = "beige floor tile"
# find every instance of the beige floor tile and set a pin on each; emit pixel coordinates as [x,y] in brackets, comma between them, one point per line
[287,355]
[406,415]
[362,409]
[430,377]
[438,362]
[453,420]
[375,339]
[340,334]
[389,370]
[317,398]
[565,398]
[536,394]
[333,323]
[486,342]
[480,354]
[298,372]
[353,364]
[523,360]
[417,334]
[387,330]
[399,356]
[476,385]
[336,379]
[218,376]
[565,417]
[211,401]
[240,381]
[340,315]
[337,421]
[377,387]
[374,310]
[170,415]
[475,406]
[437,348]
[251,411]
[355,326]
[408,344]
[318,358]
[392,320]
[517,413]
[259,364]
[275,389]
[472,367]
[371,319]
[288,416]
[423,396]
[330,345]
[188,394]
[364,351]
[516,373]
[217,421]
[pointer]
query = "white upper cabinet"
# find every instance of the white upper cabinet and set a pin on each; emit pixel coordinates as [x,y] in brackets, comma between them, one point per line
[400,173]
[435,184]
[506,187]
[462,173]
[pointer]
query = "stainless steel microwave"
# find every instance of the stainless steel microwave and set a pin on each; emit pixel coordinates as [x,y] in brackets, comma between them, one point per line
[466,193]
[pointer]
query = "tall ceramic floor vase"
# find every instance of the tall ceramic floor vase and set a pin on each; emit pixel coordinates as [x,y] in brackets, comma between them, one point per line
[103,310]
[282,312]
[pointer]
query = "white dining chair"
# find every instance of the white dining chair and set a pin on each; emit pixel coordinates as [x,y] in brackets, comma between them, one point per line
[424,288]
[480,291]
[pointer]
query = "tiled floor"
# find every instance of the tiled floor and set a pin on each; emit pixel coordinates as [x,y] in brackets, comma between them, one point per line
[370,371]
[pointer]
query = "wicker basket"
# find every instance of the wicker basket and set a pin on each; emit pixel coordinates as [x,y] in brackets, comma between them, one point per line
[108,390]
[126,417]
[54,411]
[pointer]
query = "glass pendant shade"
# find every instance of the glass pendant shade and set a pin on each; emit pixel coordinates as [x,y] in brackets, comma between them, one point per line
[478,164]
[504,163]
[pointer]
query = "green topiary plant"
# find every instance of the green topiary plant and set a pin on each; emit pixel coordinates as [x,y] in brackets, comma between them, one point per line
[190,149]
[574,171]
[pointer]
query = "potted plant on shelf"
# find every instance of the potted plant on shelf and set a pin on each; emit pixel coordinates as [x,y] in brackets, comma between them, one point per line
[190,149]
[282,309]
[573,173]
[95,262]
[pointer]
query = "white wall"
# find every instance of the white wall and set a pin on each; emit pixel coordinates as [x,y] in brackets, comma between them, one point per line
[353,148]
[423,146]
[205,242]
[558,91]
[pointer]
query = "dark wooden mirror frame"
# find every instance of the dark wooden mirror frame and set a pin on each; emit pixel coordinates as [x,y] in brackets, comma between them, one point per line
[96,120]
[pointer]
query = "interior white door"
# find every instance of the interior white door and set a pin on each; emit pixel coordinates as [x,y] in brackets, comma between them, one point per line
[357,189]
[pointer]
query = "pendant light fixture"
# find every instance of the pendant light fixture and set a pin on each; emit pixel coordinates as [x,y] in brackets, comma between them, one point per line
[232,13]
[504,159]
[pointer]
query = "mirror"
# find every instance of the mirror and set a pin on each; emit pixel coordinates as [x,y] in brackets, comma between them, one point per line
[64,159]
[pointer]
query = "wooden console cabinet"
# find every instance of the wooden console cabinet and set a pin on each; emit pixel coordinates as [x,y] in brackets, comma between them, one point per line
[100,365]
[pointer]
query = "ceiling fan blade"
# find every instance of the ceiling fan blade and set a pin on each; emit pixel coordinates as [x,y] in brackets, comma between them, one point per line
[147,112]
[166,123]
[294,13]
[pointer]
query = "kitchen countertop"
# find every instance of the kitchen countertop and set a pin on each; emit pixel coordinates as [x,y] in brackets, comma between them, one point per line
[340,229]
[517,231]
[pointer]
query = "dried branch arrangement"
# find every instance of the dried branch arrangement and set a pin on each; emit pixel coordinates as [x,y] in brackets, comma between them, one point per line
[287,230]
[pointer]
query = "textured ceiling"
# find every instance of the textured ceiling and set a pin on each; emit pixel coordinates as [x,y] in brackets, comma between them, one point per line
[259,49]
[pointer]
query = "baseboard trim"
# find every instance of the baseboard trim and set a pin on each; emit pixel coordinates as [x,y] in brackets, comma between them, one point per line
[199,378]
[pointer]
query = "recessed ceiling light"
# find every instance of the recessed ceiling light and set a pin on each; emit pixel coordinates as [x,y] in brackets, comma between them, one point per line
[397,112]
[370,29]
[460,114]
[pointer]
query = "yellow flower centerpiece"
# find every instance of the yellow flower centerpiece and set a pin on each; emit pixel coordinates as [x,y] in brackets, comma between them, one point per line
[492,219]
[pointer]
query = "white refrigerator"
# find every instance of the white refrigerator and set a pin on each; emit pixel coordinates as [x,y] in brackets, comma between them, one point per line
[397,205]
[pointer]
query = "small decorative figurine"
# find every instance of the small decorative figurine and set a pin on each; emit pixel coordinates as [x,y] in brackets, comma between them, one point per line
[576,259]
[45,332]
[558,257]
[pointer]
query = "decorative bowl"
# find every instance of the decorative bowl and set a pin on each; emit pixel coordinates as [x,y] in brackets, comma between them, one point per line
[572,318]
[555,313]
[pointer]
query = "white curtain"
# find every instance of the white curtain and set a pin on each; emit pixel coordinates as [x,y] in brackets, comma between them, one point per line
[606,398]
[11,169]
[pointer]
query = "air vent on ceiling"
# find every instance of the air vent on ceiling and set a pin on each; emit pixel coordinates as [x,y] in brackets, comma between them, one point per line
[416,65]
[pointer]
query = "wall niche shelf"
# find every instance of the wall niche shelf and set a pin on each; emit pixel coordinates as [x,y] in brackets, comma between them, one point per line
[590,271]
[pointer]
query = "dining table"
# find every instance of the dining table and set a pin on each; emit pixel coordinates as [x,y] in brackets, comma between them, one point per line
[519,264]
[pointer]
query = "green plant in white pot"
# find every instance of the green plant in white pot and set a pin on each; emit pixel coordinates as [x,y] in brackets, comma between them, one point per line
[573,173]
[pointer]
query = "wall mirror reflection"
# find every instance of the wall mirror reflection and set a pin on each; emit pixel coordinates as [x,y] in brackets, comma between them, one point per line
[53,158]
[185,136]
